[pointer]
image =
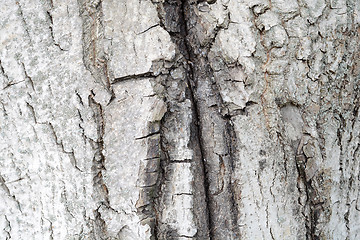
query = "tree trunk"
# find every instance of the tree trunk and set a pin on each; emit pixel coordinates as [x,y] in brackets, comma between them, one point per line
[180,119]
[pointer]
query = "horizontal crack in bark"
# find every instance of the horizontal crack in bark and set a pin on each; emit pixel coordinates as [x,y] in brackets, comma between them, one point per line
[139,76]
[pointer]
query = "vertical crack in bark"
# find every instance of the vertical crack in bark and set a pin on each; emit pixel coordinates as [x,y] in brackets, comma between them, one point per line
[197,121]
[95,61]
[7,190]
[24,22]
[7,228]
[101,191]
[27,77]
[164,157]
[172,19]
[300,165]
[313,206]
[150,180]
[51,28]
[2,72]
[50,227]
[58,143]
[217,165]
[94,56]
[222,207]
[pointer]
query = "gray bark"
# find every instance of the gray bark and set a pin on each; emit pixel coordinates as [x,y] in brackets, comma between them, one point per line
[179,119]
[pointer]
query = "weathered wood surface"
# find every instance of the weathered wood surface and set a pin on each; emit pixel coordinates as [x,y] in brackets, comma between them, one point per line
[170,119]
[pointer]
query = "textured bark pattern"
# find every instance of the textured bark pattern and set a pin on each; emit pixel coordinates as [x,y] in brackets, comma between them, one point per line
[180,119]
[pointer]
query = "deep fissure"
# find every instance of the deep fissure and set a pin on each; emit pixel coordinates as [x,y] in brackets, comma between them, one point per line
[218,227]
[184,33]
[178,9]
[198,56]
[310,208]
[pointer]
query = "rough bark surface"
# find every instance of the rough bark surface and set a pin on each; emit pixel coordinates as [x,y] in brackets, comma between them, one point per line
[180,119]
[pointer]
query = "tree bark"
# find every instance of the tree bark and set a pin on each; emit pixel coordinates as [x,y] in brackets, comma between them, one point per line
[180,119]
